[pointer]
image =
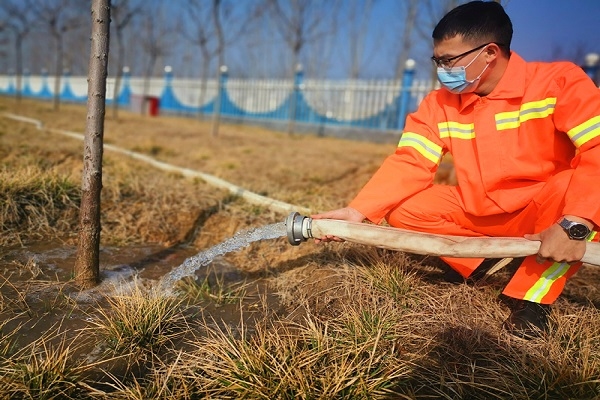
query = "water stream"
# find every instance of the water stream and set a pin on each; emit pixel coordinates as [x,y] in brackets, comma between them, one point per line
[237,241]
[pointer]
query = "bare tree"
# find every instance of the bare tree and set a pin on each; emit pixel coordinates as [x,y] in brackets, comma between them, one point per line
[3,42]
[201,33]
[359,15]
[122,13]
[59,18]
[575,53]
[301,22]
[155,40]
[258,52]
[216,11]
[410,17]
[433,11]
[19,20]
[87,263]
[77,47]
[213,27]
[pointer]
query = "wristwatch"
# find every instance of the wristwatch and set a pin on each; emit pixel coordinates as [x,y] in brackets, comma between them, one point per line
[575,230]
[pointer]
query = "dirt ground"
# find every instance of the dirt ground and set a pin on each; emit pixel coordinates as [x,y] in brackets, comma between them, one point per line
[170,217]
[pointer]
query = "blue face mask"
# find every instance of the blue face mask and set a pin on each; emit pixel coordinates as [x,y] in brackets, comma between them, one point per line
[455,78]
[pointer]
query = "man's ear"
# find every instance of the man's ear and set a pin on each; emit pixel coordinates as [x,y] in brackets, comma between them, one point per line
[492,52]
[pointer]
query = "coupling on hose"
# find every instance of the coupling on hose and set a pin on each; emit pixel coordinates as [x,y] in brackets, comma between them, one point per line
[298,228]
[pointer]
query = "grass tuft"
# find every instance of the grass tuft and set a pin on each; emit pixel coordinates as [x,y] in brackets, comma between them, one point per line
[294,361]
[43,370]
[35,202]
[139,322]
[214,290]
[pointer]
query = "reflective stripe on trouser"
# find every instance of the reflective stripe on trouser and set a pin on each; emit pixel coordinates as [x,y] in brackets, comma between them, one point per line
[542,283]
[439,209]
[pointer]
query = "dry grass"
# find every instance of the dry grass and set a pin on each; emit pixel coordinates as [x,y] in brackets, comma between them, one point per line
[213,290]
[45,369]
[143,321]
[311,360]
[340,321]
[40,194]
[35,203]
[265,162]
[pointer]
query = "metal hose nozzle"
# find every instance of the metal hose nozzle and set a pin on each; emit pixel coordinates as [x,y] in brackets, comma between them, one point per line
[298,228]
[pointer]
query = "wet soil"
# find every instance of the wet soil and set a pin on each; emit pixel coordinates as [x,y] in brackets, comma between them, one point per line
[37,275]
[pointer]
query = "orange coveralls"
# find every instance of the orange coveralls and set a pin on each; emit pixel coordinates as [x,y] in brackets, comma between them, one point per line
[524,155]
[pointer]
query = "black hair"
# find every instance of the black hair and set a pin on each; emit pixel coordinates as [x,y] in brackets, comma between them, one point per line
[477,22]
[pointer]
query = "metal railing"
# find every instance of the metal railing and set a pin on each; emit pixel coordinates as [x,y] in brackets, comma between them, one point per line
[368,105]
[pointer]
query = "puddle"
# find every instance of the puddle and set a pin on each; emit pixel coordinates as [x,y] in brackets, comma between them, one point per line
[54,261]
[35,293]
[146,265]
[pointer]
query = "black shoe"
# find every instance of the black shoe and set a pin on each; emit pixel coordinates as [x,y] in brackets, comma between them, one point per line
[452,276]
[528,320]
[480,273]
[490,266]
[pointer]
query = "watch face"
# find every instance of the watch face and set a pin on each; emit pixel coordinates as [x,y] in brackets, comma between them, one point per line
[579,231]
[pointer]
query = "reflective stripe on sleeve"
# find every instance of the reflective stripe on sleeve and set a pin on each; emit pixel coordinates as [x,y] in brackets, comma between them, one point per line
[532,110]
[585,132]
[424,146]
[591,236]
[456,130]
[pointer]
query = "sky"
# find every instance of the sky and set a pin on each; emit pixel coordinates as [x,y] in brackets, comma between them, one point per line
[544,30]
[541,24]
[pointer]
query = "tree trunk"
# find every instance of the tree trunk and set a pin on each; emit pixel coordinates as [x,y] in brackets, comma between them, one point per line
[204,82]
[87,263]
[221,63]
[407,43]
[119,74]
[58,72]
[148,75]
[295,67]
[19,56]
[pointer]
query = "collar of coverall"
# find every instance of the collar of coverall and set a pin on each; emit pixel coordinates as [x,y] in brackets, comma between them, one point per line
[511,85]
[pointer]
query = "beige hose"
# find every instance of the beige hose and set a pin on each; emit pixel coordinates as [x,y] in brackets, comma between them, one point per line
[436,245]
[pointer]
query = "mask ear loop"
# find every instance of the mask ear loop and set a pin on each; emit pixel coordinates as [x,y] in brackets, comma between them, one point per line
[479,76]
[473,60]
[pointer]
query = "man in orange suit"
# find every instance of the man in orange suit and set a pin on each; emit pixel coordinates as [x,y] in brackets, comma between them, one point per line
[525,140]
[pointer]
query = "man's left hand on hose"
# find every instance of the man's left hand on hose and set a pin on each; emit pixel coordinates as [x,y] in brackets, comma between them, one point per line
[344,214]
[556,244]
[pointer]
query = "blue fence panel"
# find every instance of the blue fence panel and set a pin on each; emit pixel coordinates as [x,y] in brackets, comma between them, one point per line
[378,105]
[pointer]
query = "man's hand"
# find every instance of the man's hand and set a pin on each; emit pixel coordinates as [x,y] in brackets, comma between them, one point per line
[557,246]
[344,214]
